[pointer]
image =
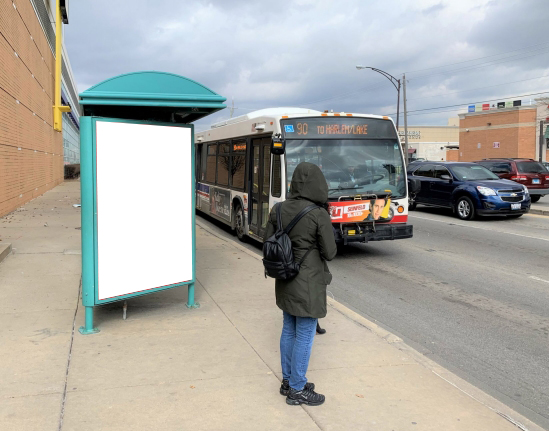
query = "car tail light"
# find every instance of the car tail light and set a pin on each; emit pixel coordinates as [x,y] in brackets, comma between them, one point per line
[546,177]
[519,178]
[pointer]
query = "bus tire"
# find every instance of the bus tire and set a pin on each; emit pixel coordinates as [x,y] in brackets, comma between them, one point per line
[238,214]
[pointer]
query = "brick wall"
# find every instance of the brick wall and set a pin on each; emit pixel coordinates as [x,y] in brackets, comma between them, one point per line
[31,152]
[513,130]
[452,155]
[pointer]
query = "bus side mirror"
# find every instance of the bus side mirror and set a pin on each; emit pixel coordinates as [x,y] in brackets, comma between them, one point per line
[278,145]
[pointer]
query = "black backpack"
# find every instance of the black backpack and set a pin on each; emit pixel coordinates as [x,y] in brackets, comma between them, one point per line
[278,256]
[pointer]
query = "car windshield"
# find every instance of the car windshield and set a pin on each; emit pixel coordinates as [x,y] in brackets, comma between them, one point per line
[473,172]
[351,166]
[530,168]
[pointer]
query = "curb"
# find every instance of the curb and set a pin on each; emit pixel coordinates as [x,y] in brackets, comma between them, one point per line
[539,212]
[5,250]
[506,412]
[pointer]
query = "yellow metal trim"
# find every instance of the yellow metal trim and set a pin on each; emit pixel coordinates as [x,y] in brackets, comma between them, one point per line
[58,109]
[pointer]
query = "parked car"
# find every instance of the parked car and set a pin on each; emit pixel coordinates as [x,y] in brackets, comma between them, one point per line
[528,172]
[469,189]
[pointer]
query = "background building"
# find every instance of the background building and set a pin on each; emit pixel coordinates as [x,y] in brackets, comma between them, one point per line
[512,131]
[31,151]
[431,142]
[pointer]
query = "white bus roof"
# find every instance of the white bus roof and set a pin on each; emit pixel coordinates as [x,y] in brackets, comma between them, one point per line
[240,126]
[268,112]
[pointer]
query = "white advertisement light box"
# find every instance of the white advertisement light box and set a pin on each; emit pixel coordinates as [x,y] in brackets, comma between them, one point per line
[144,207]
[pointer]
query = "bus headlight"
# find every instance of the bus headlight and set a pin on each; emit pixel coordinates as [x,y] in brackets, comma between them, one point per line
[390,215]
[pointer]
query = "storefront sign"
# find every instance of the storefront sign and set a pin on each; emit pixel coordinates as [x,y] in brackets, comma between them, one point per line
[412,134]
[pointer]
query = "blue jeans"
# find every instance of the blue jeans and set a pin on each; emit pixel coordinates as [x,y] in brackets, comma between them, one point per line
[296,342]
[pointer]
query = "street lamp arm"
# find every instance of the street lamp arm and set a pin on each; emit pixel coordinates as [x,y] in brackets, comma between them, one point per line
[394,81]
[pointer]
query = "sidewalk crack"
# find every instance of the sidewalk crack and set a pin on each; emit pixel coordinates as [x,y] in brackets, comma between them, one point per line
[64,397]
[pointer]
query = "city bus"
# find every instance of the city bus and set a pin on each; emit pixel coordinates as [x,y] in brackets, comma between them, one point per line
[244,166]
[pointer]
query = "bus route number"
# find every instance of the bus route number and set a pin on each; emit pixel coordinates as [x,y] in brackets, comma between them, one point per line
[302,128]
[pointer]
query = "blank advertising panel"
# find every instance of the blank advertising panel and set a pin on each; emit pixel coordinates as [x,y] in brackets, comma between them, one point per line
[144,207]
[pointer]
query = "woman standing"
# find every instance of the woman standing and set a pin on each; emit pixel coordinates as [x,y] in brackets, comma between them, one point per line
[303,298]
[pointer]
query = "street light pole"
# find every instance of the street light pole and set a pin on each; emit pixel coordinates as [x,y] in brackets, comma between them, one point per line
[394,81]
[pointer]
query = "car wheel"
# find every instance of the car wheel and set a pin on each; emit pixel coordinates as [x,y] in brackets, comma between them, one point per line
[534,199]
[515,216]
[239,223]
[465,209]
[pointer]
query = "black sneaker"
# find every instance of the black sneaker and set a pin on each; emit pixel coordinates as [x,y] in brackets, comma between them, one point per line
[285,387]
[320,330]
[304,396]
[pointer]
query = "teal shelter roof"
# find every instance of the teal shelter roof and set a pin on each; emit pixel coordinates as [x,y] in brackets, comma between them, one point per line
[150,95]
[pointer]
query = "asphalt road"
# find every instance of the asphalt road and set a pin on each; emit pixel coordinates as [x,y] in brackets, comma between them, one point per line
[472,296]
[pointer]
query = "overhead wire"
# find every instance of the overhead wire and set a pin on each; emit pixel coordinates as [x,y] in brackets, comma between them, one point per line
[480,88]
[479,58]
[471,103]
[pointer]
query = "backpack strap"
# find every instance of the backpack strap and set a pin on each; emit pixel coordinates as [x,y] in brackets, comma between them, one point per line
[298,217]
[306,254]
[279,228]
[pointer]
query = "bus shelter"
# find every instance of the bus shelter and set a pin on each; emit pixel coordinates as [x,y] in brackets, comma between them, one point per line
[137,186]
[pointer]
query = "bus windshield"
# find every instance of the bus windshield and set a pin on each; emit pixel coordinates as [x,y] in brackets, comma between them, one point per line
[351,166]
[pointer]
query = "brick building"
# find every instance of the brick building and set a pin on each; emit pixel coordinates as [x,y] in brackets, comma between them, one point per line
[505,132]
[31,152]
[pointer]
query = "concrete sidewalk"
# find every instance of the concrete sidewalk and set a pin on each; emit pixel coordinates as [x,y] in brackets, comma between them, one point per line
[214,368]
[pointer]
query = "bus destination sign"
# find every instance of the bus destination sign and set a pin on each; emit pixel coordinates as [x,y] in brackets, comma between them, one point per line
[338,128]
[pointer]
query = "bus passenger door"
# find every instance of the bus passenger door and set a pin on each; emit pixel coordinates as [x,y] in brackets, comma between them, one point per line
[261,164]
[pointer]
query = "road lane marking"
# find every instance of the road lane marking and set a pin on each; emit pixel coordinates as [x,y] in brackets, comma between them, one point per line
[535,215]
[538,279]
[481,228]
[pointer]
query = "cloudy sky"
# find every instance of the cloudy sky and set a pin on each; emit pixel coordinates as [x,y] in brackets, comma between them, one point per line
[304,52]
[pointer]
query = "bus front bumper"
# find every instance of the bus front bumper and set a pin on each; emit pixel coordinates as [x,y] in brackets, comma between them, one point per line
[379,232]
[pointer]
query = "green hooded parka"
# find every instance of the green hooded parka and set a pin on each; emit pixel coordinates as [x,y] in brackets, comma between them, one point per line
[305,295]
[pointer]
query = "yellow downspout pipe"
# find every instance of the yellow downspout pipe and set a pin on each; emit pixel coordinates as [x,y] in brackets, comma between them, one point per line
[58,109]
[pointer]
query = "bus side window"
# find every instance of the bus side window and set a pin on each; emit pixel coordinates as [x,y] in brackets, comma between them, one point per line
[198,162]
[238,164]
[223,159]
[276,189]
[210,163]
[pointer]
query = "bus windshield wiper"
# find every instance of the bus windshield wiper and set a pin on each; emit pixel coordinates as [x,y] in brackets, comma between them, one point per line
[343,188]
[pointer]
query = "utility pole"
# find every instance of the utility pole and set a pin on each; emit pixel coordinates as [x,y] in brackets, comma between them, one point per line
[232,107]
[541,140]
[405,120]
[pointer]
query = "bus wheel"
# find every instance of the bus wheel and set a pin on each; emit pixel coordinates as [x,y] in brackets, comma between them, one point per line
[239,222]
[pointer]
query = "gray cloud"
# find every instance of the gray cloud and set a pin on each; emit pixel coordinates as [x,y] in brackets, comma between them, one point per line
[304,52]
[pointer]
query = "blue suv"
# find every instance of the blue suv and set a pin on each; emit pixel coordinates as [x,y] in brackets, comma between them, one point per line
[468,188]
